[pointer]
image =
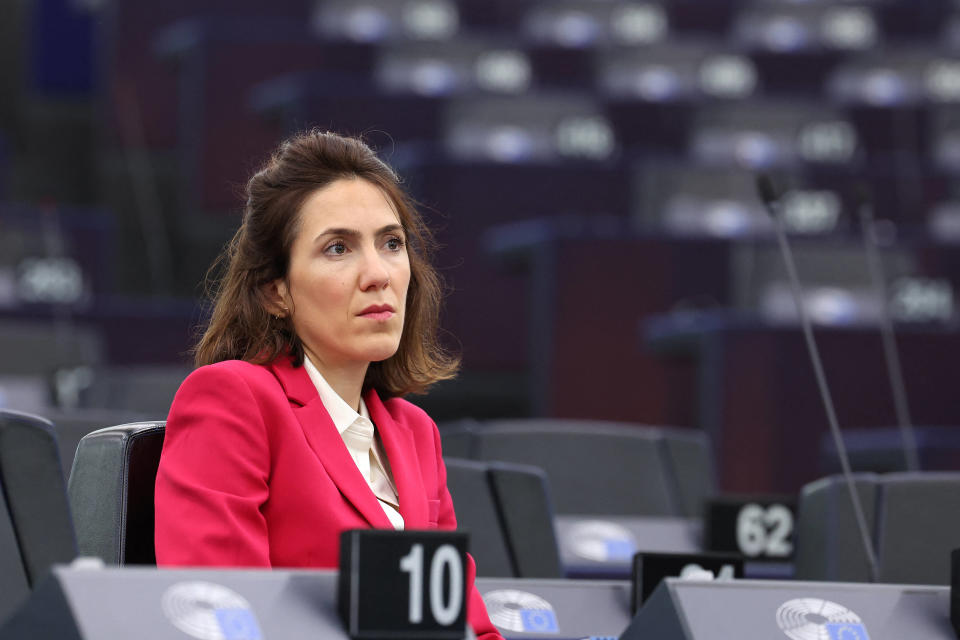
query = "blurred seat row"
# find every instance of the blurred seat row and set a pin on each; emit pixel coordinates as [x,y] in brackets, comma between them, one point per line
[520,82]
[222,70]
[511,510]
[598,467]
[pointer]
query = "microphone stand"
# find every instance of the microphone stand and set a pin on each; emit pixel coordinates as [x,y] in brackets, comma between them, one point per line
[771,201]
[894,370]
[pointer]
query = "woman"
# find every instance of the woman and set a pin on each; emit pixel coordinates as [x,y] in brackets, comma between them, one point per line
[292,429]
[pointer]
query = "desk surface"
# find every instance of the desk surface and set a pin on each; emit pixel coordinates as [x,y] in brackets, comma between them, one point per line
[152,603]
[761,610]
[603,546]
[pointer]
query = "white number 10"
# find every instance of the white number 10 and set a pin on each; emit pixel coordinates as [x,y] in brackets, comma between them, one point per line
[445,558]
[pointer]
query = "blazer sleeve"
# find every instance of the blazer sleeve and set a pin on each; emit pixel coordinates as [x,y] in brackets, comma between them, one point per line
[477,614]
[213,475]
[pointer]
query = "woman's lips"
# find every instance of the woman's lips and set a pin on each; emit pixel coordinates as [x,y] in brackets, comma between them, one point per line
[377,315]
[377,312]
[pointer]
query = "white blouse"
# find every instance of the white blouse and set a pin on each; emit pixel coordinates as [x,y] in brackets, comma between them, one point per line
[359,434]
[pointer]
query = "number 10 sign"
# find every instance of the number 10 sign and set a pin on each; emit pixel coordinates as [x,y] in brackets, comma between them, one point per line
[403,584]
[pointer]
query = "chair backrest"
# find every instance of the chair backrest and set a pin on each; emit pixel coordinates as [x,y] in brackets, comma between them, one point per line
[13,575]
[143,389]
[71,425]
[828,543]
[689,462]
[506,509]
[477,515]
[604,468]
[33,348]
[523,496]
[913,519]
[34,494]
[918,525]
[111,491]
[459,438]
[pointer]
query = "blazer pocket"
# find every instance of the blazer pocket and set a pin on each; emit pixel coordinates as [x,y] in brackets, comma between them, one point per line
[433,513]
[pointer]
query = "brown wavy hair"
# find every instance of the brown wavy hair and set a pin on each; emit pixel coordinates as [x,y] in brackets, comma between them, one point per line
[242,326]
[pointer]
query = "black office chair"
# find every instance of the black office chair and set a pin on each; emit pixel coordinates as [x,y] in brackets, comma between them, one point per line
[459,438]
[526,510]
[913,520]
[135,389]
[689,462]
[604,468]
[13,575]
[111,491]
[36,530]
[506,509]
[477,515]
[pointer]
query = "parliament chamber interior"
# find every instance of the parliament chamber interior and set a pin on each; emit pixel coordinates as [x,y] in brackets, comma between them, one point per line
[700,260]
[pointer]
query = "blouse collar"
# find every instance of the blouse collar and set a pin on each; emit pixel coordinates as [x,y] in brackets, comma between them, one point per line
[342,414]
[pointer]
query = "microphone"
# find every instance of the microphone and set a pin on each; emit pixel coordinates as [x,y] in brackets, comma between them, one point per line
[771,200]
[891,357]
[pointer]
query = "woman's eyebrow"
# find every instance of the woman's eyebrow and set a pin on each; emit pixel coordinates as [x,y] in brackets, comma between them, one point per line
[338,231]
[355,233]
[390,228]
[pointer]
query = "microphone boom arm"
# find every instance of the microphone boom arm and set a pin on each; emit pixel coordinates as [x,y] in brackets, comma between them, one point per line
[771,202]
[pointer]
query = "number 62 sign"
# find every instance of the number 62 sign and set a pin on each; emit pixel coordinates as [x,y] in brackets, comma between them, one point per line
[403,584]
[758,527]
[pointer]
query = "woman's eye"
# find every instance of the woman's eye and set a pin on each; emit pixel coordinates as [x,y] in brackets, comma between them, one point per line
[394,244]
[336,249]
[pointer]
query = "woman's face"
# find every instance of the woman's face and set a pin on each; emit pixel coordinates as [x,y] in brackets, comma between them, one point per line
[346,287]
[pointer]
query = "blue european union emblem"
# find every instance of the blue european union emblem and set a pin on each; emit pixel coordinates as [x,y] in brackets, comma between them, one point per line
[846,631]
[619,549]
[238,624]
[538,621]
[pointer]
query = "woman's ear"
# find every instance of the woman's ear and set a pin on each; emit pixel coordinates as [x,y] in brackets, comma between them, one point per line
[276,296]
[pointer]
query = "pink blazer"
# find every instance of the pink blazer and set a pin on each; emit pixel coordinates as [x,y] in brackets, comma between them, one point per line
[254,474]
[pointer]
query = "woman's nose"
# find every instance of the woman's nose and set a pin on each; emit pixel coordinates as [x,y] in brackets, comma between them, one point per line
[374,274]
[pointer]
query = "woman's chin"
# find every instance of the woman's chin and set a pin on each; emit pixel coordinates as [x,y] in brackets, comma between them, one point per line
[380,353]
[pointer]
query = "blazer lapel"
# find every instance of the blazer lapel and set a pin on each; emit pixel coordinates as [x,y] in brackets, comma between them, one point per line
[400,448]
[327,443]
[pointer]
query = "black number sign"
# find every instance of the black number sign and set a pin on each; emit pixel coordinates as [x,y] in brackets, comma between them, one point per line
[403,584]
[758,527]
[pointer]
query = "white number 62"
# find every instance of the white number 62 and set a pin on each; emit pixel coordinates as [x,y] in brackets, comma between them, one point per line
[764,531]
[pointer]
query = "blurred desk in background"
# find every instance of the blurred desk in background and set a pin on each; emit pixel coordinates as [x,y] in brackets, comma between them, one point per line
[589,280]
[757,397]
[604,546]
